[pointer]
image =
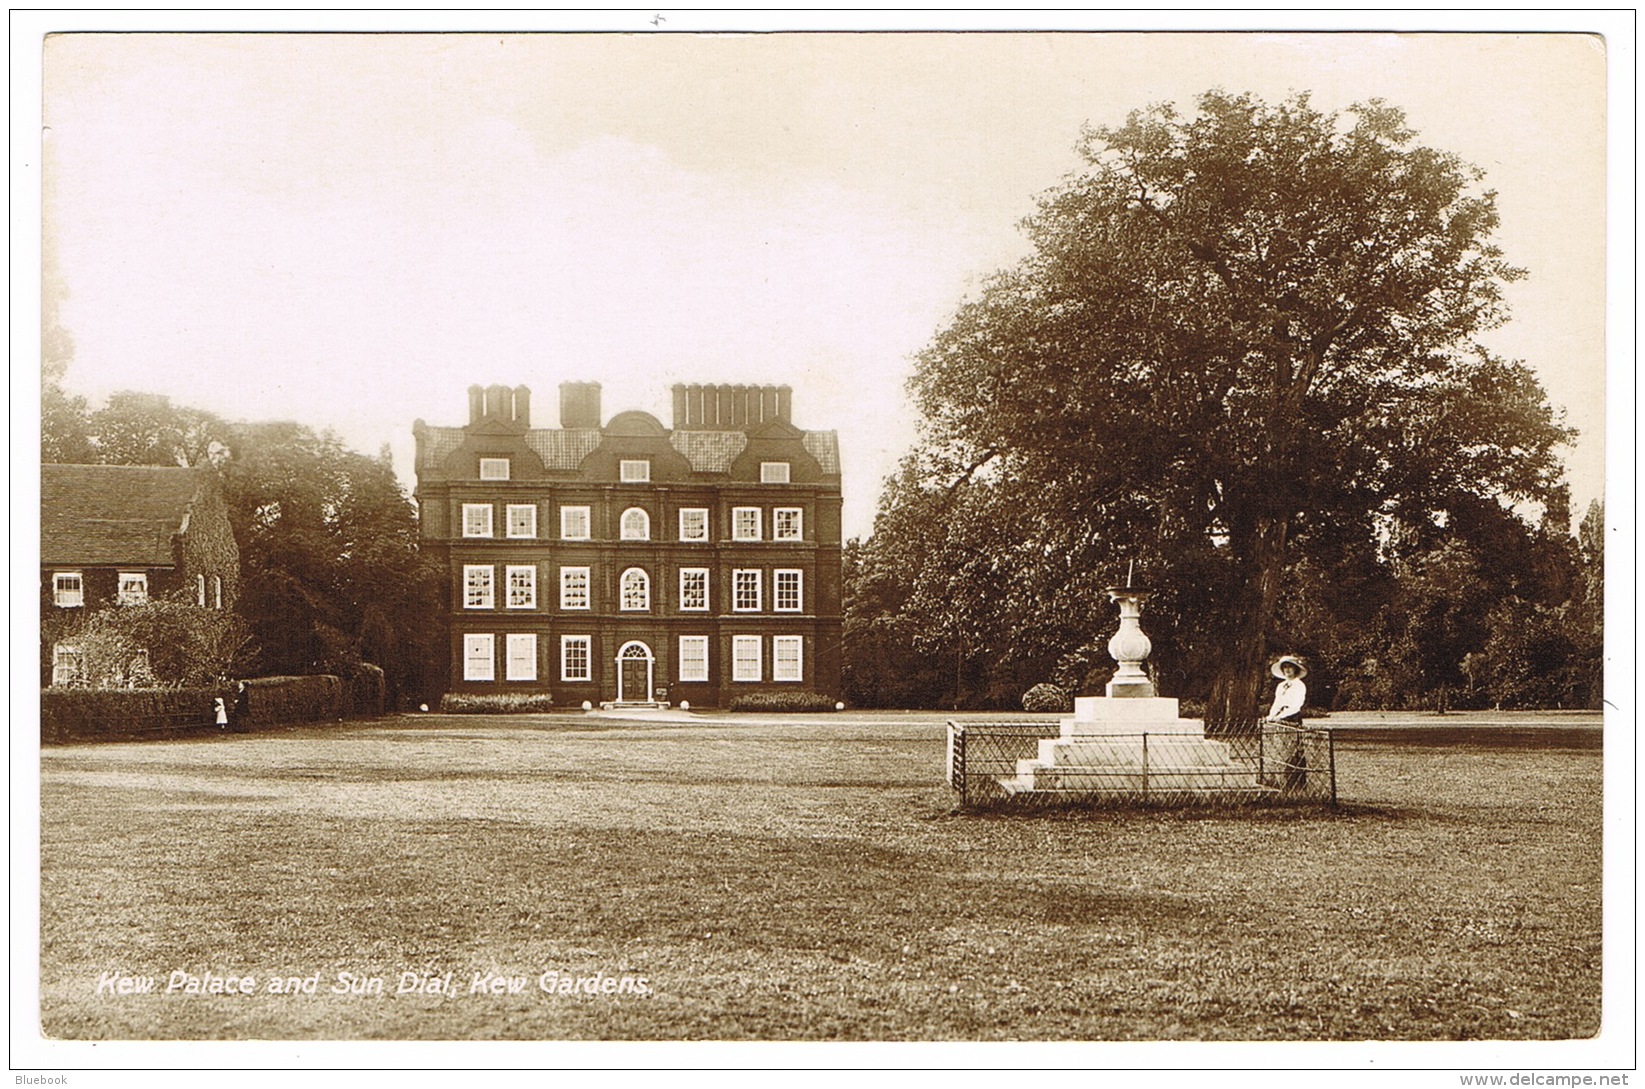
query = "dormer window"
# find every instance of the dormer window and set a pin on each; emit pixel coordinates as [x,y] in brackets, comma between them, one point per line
[493,468]
[773,472]
[634,470]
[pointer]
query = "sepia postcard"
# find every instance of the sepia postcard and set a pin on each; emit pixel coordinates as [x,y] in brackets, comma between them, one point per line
[1075,542]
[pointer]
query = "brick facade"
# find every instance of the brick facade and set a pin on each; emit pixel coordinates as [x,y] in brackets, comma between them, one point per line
[631,561]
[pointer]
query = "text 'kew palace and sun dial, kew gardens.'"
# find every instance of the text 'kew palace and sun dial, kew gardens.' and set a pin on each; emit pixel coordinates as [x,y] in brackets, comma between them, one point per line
[630,563]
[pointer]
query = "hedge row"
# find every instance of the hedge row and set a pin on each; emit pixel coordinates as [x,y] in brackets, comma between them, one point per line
[457,703]
[783,702]
[70,714]
[80,714]
[271,701]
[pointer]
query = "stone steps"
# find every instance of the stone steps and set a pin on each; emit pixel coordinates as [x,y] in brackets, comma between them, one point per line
[1246,791]
[1095,780]
[1132,747]
[1112,755]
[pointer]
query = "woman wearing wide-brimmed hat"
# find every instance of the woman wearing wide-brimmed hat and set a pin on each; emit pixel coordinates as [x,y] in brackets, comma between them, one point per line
[1291,693]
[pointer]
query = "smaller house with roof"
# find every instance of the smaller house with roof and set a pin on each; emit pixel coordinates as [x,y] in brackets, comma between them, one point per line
[114,535]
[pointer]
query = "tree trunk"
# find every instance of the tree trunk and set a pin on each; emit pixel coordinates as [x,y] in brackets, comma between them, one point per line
[1235,703]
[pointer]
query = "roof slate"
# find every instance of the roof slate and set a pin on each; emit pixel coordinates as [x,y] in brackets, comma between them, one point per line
[825,447]
[563,449]
[112,515]
[438,444]
[709,451]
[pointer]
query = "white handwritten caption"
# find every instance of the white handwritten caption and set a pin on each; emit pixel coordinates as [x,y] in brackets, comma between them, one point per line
[203,984]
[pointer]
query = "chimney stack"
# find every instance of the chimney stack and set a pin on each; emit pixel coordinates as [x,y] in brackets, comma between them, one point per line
[580,404]
[500,403]
[726,408]
[680,412]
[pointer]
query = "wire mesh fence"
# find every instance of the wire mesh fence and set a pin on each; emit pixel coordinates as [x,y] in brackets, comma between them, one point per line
[1031,763]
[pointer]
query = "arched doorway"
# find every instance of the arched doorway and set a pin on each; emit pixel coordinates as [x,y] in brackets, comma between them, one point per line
[636,667]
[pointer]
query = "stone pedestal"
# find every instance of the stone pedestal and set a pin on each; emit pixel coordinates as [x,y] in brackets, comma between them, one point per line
[1129,745]
[1131,741]
[1130,647]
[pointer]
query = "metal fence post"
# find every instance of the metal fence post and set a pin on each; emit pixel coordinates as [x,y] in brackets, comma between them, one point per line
[1331,751]
[1145,767]
[1262,742]
[959,763]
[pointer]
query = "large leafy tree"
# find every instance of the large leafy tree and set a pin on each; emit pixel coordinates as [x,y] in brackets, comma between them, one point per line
[1240,329]
[132,428]
[331,571]
[136,428]
[65,426]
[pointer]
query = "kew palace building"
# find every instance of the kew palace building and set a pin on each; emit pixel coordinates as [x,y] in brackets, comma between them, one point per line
[627,562]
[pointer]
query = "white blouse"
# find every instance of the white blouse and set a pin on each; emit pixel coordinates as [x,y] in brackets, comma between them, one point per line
[1288,699]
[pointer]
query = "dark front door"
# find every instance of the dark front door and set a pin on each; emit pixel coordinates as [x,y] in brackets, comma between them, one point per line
[634,680]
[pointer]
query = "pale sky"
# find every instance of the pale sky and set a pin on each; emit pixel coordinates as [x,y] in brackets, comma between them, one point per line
[350,230]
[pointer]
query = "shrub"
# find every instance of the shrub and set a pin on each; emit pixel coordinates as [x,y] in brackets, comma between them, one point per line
[73,714]
[782,702]
[275,700]
[365,692]
[1084,671]
[1047,699]
[160,643]
[459,703]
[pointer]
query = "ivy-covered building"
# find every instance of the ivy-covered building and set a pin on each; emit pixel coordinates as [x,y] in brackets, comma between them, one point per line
[628,562]
[114,535]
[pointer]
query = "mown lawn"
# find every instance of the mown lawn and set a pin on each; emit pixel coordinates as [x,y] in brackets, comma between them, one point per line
[802,881]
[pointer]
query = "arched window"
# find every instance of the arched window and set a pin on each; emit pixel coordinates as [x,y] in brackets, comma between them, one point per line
[636,525]
[200,586]
[217,591]
[635,595]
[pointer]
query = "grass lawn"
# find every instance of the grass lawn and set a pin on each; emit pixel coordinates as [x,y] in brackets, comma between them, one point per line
[802,880]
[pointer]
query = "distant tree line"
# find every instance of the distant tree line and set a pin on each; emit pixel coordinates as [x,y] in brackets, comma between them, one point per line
[331,574]
[1242,356]
[967,602]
